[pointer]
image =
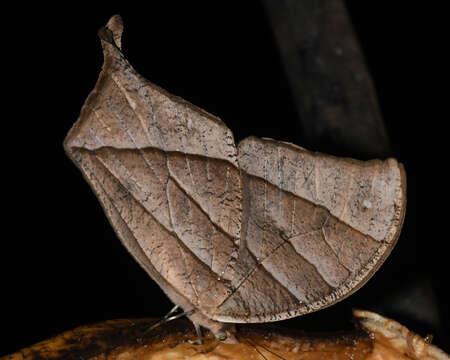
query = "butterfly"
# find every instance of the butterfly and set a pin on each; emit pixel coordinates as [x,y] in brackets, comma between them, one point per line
[256,232]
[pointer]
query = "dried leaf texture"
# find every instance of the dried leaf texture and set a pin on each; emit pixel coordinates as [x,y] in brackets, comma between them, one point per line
[262,232]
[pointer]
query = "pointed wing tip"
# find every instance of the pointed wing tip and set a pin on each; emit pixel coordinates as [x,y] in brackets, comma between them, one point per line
[115,23]
[112,32]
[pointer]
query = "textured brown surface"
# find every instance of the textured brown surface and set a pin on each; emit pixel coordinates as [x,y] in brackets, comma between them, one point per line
[383,339]
[260,232]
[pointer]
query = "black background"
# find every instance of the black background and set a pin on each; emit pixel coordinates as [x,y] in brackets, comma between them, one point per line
[62,265]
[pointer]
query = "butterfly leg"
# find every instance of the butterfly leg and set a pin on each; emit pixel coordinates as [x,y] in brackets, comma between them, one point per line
[168,317]
[200,340]
[224,332]
[175,308]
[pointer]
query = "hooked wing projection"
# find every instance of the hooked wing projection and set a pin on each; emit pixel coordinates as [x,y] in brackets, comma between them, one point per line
[260,232]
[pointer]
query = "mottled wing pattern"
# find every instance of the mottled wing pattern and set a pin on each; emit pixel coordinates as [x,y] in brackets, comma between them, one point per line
[167,176]
[260,233]
[316,228]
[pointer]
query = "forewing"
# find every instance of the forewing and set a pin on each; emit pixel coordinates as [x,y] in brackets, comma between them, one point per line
[167,176]
[315,226]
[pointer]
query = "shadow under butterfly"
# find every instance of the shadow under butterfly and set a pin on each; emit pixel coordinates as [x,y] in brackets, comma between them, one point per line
[258,232]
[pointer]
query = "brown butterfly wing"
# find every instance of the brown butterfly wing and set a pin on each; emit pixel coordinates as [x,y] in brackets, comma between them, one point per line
[316,227]
[166,174]
[261,234]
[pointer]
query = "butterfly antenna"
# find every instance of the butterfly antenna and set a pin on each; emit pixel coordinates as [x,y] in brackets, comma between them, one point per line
[265,348]
[168,317]
[275,354]
[256,349]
